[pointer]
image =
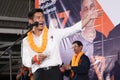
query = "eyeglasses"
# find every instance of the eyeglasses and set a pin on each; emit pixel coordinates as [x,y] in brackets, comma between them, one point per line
[75,47]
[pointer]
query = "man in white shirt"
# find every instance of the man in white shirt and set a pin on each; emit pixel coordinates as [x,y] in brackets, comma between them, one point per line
[40,50]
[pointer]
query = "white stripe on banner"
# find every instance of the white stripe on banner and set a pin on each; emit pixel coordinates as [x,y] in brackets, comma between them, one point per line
[112,9]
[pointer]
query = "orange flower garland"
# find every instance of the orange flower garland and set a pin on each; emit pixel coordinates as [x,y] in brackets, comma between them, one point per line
[75,60]
[44,41]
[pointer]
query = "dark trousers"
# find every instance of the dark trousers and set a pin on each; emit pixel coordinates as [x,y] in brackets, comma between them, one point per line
[52,73]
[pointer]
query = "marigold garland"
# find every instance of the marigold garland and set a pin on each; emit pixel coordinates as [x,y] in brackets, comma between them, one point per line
[44,41]
[75,60]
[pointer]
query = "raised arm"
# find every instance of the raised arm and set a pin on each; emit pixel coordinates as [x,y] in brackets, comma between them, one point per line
[77,27]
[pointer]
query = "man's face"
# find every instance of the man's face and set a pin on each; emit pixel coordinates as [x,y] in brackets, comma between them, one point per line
[39,17]
[87,7]
[76,48]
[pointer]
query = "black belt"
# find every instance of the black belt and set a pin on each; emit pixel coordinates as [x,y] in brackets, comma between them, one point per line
[50,67]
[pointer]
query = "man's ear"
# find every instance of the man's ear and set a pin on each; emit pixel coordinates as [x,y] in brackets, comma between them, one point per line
[81,47]
[30,21]
[80,13]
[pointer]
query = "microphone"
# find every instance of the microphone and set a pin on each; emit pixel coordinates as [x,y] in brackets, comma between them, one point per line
[34,24]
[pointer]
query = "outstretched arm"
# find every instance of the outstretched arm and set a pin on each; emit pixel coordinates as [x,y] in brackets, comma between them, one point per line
[77,27]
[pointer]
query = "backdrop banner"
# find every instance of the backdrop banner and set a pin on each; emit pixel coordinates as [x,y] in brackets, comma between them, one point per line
[100,38]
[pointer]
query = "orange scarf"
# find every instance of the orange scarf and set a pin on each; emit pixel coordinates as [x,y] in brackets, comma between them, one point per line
[32,44]
[76,59]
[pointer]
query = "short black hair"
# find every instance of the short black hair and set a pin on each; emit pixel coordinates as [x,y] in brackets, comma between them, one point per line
[33,11]
[79,43]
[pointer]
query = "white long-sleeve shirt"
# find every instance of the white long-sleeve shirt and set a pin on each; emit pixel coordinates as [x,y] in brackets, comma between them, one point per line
[52,49]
